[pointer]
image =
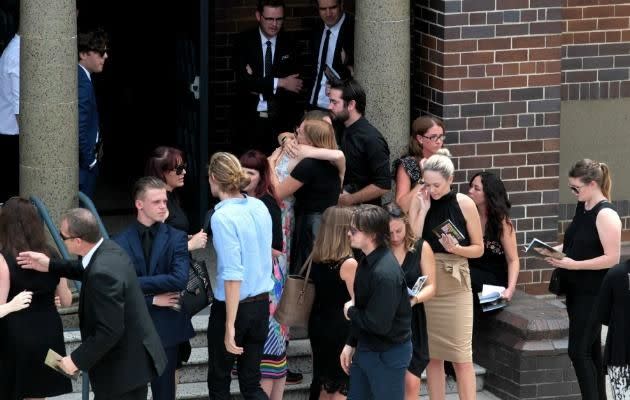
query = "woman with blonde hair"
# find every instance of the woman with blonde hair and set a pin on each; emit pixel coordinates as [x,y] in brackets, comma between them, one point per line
[315,183]
[239,321]
[592,245]
[450,223]
[426,139]
[416,259]
[332,271]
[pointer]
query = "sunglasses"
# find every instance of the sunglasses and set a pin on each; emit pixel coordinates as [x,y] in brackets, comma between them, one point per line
[179,169]
[576,189]
[64,237]
[101,52]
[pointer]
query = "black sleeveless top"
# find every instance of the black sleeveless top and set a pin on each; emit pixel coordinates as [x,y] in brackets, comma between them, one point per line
[491,267]
[582,242]
[442,209]
[176,216]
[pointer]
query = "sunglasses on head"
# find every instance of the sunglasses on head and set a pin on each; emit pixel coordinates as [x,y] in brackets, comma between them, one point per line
[180,168]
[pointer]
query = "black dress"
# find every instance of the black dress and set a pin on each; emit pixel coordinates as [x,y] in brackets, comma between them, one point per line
[491,267]
[328,328]
[419,338]
[28,334]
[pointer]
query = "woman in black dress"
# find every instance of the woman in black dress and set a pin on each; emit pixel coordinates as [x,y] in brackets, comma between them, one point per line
[416,259]
[499,263]
[332,273]
[592,244]
[28,334]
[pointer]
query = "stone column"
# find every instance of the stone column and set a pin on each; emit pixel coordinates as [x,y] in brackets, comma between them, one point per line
[382,66]
[48,103]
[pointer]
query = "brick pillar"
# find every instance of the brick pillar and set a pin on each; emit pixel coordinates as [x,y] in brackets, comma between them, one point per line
[491,70]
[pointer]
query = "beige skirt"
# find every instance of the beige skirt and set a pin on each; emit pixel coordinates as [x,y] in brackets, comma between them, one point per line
[450,312]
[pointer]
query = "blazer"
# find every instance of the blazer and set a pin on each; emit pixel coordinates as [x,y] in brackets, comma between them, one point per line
[88,120]
[120,347]
[167,272]
[345,42]
[248,51]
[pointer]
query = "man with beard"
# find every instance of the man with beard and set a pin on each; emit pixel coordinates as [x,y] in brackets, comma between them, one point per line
[367,154]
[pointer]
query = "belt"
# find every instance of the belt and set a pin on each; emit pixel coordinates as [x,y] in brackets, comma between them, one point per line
[258,297]
[455,265]
[263,114]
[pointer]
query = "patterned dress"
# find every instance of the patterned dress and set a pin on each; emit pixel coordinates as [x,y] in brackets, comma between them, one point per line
[274,360]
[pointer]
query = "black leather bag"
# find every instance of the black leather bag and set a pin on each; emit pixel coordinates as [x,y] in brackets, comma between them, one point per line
[198,293]
[558,282]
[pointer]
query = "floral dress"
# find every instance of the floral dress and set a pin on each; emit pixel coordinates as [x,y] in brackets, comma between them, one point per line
[274,360]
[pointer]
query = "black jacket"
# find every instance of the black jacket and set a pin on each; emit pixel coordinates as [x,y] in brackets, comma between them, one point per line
[120,348]
[345,42]
[614,310]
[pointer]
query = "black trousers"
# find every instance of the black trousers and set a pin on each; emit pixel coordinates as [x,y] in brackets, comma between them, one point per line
[585,350]
[251,327]
[10,166]
[163,386]
[136,394]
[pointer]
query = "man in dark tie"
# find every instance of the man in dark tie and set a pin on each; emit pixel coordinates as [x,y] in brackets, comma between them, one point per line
[92,55]
[332,45]
[120,348]
[160,256]
[268,82]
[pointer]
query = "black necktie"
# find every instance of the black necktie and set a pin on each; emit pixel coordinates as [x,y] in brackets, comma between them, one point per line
[147,242]
[322,65]
[268,60]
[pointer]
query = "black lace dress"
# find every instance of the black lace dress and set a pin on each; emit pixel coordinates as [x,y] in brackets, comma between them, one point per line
[27,336]
[328,328]
[419,339]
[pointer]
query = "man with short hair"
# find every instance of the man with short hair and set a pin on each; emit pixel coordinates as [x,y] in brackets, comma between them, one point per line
[120,348]
[160,256]
[267,78]
[332,45]
[367,154]
[92,55]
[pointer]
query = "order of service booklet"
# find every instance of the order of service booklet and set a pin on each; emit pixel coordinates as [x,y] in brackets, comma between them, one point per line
[53,360]
[417,287]
[490,298]
[541,249]
[448,227]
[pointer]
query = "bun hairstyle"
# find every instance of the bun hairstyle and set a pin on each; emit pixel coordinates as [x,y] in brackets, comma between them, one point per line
[588,171]
[420,126]
[444,152]
[227,172]
[441,164]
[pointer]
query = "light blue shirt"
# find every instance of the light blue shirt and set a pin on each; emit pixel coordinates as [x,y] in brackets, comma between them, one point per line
[241,234]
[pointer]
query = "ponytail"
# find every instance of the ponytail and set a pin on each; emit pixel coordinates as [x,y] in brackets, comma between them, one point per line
[606,184]
[587,171]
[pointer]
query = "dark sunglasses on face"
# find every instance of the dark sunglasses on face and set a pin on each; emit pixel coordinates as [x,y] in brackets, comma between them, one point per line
[179,169]
[101,52]
[64,237]
[576,189]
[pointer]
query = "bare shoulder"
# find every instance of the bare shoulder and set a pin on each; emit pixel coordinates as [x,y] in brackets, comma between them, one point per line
[465,202]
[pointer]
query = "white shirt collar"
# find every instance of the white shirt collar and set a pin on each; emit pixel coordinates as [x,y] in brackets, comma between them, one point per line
[86,71]
[263,39]
[334,30]
[88,257]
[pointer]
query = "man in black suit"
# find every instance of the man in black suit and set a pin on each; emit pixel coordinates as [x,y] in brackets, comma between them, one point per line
[120,348]
[267,79]
[332,44]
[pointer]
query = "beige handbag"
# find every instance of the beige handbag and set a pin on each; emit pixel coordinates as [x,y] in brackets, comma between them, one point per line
[297,298]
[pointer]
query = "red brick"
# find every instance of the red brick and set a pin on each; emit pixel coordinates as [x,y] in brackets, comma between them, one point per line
[527,146]
[542,184]
[455,72]
[494,70]
[490,96]
[493,148]
[509,160]
[543,158]
[455,46]
[511,55]
[572,13]
[509,121]
[553,66]
[582,37]
[613,23]
[513,185]
[597,37]
[600,11]
[436,83]
[476,84]
[525,277]
[510,134]
[545,54]
[493,44]
[451,59]
[625,36]
[475,123]
[511,69]
[540,67]
[567,38]
[508,173]
[613,36]
[527,68]
[482,57]
[429,41]
[513,81]
[477,71]
[543,80]
[554,41]
[459,150]
[525,172]
[551,145]
[582,25]
[551,170]
[451,85]
[512,4]
[475,162]
[528,42]
[622,10]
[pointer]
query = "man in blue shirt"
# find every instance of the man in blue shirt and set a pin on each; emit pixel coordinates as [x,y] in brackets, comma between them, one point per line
[239,320]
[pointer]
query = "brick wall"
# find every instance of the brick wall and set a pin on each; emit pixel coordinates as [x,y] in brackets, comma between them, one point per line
[492,71]
[596,50]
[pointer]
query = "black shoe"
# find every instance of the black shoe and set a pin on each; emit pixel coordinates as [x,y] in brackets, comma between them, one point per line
[293,378]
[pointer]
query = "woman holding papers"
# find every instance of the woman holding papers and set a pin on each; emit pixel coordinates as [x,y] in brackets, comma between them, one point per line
[416,259]
[27,335]
[449,222]
[592,245]
[499,263]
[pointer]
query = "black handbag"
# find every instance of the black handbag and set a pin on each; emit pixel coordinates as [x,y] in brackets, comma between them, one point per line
[558,282]
[198,293]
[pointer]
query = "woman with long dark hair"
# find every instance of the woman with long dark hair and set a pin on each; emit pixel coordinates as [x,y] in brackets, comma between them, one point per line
[592,244]
[499,263]
[28,334]
[273,366]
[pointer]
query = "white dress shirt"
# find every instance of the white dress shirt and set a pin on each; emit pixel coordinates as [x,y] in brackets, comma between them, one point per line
[10,87]
[322,99]
[262,103]
[85,261]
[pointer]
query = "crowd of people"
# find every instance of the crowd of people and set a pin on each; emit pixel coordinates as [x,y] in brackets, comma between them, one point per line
[305,197]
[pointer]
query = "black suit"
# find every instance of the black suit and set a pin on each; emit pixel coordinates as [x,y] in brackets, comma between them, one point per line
[120,348]
[345,42]
[283,108]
